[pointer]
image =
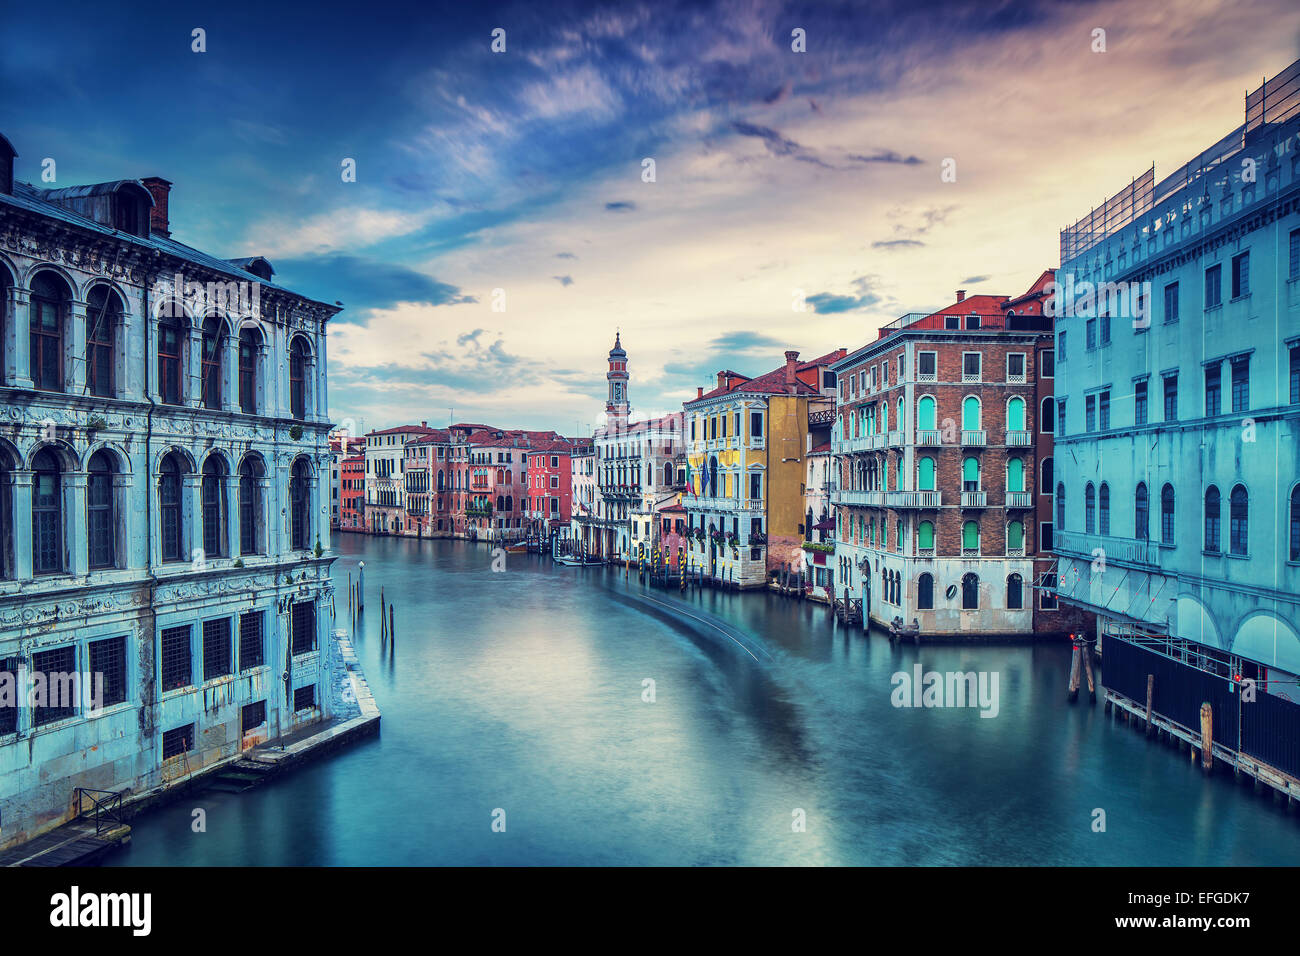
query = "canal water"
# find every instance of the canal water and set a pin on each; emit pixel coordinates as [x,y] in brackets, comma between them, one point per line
[524,691]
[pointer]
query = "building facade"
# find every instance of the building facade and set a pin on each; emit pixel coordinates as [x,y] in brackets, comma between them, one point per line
[164,495]
[385,476]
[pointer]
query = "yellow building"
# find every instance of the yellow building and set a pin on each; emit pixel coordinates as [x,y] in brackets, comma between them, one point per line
[746,443]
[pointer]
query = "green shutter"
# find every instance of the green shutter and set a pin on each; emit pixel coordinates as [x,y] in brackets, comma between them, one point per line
[927,474]
[925,535]
[925,414]
[970,414]
[1015,536]
[1015,475]
[1016,415]
[970,470]
[970,535]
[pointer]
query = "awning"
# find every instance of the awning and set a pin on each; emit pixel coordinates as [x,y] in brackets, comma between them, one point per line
[826,524]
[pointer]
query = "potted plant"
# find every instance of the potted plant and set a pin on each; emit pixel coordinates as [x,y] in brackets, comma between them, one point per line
[295,432]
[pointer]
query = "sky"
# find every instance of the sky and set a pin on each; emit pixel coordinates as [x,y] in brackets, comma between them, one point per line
[501,226]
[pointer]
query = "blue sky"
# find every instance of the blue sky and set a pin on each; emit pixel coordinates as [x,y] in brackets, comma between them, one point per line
[780,176]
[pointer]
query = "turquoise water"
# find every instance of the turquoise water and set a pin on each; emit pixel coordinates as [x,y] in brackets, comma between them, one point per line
[523,691]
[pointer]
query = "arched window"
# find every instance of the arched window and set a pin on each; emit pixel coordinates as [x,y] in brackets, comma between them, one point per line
[1238,513]
[212,493]
[171,345]
[249,343]
[213,345]
[925,414]
[1090,509]
[49,308]
[925,474]
[898,423]
[1016,415]
[47,513]
[169,511]
[1212,519]
[668,474]
[250,508]
[1103,508]
[970,414]
[1015,475]
[925,535]
[1060,507]
[103,318]
[101,518]
[1295,523]
[300,532]
[1015,538]
[1047,416]
[1015,592]
[970,474]
[713,477]
[1045,482]
[1167,514]
[970,592]
[298,379]
[970,536]
[1141,513]
[441,481]
[510,503]
[925,592]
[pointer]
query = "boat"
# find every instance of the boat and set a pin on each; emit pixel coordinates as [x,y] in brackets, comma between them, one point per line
[518,547]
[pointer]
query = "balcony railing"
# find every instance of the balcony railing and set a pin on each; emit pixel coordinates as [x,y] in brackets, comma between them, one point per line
[757,441]
[753,504]
[1117,550]
[914,499]
[1020,499]
[929,437]
[927,376]
[925,552]
[849,446]
[894,438]
[970,552]
[1019,438]
[973,499]
[970,376]
[974,437]
[859,499]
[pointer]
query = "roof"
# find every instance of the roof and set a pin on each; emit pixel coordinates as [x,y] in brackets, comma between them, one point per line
[823,449]
[773,382]
[43,202]
[406,429]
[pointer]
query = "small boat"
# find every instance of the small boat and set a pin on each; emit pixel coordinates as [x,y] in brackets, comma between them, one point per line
[519,547]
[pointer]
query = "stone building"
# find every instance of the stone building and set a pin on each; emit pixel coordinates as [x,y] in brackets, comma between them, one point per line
[385,477]
[163,500]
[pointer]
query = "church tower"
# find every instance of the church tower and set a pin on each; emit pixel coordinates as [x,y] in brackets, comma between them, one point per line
[616,405]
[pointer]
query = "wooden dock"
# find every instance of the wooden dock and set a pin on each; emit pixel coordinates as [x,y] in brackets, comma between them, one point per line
[73,844]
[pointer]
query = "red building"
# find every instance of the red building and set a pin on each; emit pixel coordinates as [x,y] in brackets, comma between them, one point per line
[352,493]
[549,497]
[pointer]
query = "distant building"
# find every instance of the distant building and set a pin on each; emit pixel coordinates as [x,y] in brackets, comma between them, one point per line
[819,523]
[385,476]
[352,493]
[342,446]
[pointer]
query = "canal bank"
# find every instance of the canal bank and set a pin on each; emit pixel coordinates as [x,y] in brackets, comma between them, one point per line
[524,690]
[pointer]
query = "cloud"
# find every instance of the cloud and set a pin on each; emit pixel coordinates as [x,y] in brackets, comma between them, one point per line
[745,341]
[563,280]
[887,156]
[778,144]
[363,284]
[565,255]
[973,280]
[897,244]
[620,206]
[347,227]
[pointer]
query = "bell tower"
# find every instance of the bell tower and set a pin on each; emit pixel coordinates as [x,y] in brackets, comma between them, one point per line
[616,405]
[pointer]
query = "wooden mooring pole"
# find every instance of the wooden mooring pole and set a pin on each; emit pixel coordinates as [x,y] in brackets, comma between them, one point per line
[1151,691]
[1207,737]
[1076,665]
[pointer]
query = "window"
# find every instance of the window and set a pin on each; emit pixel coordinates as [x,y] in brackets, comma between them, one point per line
[1016,415]
[1171,303]
[1295,374]
[103,317]
[1103,410]
[1293,272]
[925,414]
[298,506]
[925,592]
[756,424]
[970,474]
[1045,529]
[1047,416]
[1015,475]
[1090,334]
[1140,402]
[1213,287]
[216,648]
[1015,592]
[1045,481]
[177,741]
[49,306]
[1089,509]
[1016,367]
[925,536]
[169,514]
[1060,346]
[970,536]
[1105,329]
[249,505]
[101,523]
[1241,383]
[925,474]
[171,339]
[304,698]
[1241,275]
[108,657]
[304,627]
[298,379]
[1060,418]
[47,513]
[970,414]
[1046,363]
[251,653]
[248,347]
[1212,520]
[1238,512]
[1060,506]
[175,670]
[970,366]
[1047,600]
[1171,397]
[1167,514]
[1213,389]
[213,345]
[970,592]
[1089,413]
[213,495]
[1015,537]
[1141,513]
[252,716]
[1103,508]
[60,696]
[1295,509]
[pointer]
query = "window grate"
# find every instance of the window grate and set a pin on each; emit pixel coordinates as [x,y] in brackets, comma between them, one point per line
[216,648]
[250,641]
[177,741]
[304,697]
[251,716]
[175,657]
[108,657]
[9,668]
[304,627]
[58,667]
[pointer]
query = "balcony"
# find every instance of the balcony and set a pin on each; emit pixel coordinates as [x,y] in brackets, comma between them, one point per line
[877,441]
[757,441]
[1116,550]
[970,552]
[753,504]
[925,552]
[929,437]
[974,438]
[927,377]
[1019,439]
[970,376]
[1020,499]
[914,499]
[859,499]
[894,439]
[973,499]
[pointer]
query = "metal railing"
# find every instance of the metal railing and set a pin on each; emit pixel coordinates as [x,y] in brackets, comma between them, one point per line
[105,807]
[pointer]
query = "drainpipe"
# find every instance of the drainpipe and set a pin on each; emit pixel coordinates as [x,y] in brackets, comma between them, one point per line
[148,497]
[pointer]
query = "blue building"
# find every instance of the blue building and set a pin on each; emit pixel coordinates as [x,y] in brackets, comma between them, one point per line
[163,501]
[1177,495]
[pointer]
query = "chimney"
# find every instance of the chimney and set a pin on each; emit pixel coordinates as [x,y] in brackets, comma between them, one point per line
[791,360]
[159,188]
[961,294]
[722,379]
[424,424]
[699,391]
